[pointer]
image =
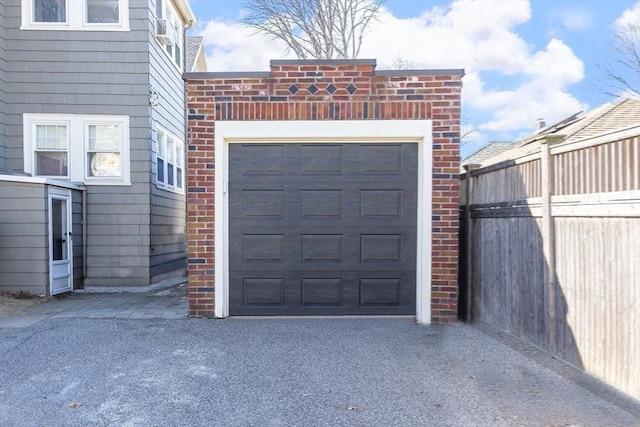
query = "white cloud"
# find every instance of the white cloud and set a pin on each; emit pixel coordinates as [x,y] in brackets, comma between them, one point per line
[577,21]
[233,46]
[481,37]
[528,102]
[571,19]
[507,81]
[630,16]
[475,35]
[557,65]
[543,95]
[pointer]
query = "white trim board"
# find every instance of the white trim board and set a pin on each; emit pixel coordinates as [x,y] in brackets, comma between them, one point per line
[343,131]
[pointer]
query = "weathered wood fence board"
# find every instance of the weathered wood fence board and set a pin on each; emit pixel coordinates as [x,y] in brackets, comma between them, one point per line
[507,274]
[591,284]
[598,271]
[598,169]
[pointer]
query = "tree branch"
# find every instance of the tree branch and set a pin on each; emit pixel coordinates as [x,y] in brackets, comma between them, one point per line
[321,29]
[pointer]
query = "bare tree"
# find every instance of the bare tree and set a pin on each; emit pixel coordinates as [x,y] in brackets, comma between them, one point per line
[622,74]
[400,63]
[319,29]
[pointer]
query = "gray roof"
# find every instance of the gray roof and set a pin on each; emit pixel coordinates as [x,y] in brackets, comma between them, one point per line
[605,119]
[488,151]
[193,46]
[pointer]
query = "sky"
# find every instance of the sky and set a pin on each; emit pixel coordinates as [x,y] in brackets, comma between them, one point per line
[523,60]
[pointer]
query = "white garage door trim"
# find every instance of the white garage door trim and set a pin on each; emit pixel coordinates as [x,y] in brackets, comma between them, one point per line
[343,131]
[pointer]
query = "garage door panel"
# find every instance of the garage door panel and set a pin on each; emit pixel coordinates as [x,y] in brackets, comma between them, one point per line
[322,229]
[263,247]
[263,203]
[321,159]
[380,247]
[257,160]
[263,291]
[318,204]
[322,247]
[326,291]
[380,159]
[321,204]
[332,247]
[381,203]
[380,291]
[393,289]
[308,162]
[318,292]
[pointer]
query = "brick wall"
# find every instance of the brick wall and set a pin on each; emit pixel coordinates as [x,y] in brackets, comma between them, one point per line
[325,90]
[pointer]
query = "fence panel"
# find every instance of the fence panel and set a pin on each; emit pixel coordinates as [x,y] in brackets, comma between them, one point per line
[594,265]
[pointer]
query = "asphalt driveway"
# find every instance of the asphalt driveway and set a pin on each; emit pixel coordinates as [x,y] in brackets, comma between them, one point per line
[282,372]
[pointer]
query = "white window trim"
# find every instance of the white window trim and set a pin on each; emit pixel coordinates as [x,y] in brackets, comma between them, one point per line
[32,132]
[331,131]
[179,146]
[77,144]
[75,19]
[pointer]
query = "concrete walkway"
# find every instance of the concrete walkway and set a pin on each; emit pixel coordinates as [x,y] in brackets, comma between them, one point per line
[168,300]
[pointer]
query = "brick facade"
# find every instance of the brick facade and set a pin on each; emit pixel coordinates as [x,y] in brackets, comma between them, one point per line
[325,90]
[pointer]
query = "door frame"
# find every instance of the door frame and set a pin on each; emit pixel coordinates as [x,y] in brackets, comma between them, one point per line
[327,132]
[65,195]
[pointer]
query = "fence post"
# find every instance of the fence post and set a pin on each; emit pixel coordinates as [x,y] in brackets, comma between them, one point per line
[548,236]
[468,238]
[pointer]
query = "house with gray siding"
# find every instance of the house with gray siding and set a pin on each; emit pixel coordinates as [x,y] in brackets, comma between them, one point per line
[92,131]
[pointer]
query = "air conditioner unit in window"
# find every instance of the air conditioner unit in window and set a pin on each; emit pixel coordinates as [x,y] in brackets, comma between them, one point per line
[164,32]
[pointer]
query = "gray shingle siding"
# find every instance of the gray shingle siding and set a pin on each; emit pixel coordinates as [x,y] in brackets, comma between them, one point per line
[105,73]
[3,83]
[24,263]
[168,209]
[76,230]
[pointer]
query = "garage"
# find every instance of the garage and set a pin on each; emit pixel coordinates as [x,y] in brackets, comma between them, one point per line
[323,187]
[322,229]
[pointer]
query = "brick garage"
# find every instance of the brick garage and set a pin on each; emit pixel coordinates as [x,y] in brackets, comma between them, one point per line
[329,93]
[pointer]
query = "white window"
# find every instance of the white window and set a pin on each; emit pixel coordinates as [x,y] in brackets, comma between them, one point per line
[169,161]
[102,12]
[104,150]
[99,15]
[173,40]
[81,148]
[49,11]
[51,152]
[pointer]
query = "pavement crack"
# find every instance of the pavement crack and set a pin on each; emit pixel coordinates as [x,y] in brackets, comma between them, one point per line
[27,339]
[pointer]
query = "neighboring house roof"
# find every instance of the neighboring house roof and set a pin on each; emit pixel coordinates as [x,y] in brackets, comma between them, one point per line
[488,151]
[605,119]
[195,55]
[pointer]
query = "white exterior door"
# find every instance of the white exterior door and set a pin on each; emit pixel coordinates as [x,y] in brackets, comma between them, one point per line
[60,244]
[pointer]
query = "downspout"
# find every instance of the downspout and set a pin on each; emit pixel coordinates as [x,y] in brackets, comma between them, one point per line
[469,239]
[84,237]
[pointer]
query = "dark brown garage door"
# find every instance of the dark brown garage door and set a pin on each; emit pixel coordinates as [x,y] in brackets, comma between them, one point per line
[322,229]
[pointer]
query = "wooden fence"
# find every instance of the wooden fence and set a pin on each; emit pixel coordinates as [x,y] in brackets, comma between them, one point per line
[552,244]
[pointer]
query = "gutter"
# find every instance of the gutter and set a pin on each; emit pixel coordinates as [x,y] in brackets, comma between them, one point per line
[186,12]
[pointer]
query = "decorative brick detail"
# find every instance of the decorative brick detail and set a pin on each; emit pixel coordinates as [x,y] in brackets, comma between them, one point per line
[340,90]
